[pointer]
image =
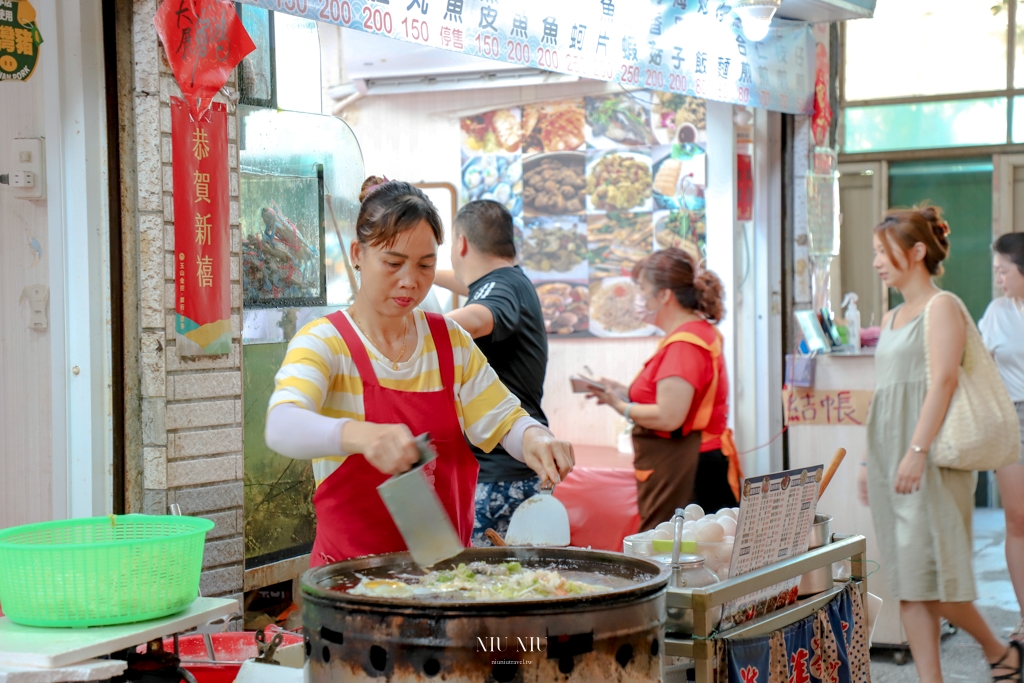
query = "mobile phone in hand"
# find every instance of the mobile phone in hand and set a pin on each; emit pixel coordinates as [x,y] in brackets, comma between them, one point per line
[582,385]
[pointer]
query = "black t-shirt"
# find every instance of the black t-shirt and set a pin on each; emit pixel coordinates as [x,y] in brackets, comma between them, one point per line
[517,349]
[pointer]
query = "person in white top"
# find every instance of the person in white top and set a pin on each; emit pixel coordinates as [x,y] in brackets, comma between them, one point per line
[1002,328]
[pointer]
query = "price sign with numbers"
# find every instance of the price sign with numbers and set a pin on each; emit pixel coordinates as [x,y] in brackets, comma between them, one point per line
[776,515]
[689,47]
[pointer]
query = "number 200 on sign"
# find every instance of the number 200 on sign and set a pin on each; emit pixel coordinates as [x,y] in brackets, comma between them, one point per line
[336,11]
[376,20]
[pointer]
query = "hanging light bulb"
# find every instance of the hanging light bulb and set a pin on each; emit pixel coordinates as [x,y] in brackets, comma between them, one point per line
[756,16]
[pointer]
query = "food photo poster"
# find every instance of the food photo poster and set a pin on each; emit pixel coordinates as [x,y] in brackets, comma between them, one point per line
[593,185]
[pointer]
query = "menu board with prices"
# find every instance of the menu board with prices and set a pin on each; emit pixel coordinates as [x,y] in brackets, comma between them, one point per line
[688,47]
[776,515]
[594,185]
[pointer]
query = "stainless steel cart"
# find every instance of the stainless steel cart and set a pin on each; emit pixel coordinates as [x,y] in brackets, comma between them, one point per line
[700,646]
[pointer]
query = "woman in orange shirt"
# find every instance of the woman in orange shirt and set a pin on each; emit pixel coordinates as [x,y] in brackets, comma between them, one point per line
[678,404]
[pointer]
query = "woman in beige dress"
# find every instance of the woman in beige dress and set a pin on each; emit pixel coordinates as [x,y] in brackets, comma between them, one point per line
[922,513]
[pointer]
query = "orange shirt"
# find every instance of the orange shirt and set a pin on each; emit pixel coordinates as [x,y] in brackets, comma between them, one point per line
[692,364]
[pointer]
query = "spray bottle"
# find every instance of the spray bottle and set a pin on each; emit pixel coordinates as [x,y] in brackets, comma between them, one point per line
[852,319]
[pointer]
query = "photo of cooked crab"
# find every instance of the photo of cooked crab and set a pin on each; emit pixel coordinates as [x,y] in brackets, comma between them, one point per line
[555,245]
[492,132]
[554,127]
[679,119]
[494,177]
[618,181]
[565,306]
[619,121]
[554,184]
[616,242]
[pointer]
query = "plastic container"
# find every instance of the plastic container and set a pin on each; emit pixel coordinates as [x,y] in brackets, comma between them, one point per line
[101,570]
[692,574]
[718,556]
[229,651]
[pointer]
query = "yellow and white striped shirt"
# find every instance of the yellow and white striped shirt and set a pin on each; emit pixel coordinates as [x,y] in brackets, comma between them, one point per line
[319,374]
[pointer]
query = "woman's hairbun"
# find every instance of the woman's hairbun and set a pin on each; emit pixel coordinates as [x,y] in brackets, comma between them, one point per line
[940,228]
[369,185]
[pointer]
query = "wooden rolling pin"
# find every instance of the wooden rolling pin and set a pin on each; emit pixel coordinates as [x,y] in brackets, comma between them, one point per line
[494,538]
[837,459]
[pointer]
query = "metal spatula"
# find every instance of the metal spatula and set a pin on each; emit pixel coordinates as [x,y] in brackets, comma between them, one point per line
[418,513]
[540,520]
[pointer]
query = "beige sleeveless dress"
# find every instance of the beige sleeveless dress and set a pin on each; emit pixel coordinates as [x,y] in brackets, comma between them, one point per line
[924,537]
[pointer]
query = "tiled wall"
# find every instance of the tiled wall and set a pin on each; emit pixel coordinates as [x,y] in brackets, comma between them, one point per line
[191,408]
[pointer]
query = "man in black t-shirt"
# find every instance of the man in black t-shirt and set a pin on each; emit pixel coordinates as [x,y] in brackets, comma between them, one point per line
[503,315]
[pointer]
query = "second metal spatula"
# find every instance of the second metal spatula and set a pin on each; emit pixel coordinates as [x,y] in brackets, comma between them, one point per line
[540,520]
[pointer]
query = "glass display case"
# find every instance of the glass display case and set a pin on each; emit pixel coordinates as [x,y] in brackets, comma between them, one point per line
[299,178]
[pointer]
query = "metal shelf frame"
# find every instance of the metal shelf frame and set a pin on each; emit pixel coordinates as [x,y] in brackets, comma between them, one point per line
[703,601]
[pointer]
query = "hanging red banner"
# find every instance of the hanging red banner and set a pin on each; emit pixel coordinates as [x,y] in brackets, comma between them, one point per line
[744,188]
[204,40]
[202,235]
[821,120]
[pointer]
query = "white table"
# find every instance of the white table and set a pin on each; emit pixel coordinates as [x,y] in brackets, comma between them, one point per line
[89,670]
[52,648]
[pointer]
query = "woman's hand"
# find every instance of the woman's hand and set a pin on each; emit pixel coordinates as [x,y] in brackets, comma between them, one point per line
[614,394]
[388,447]
[607,398]
[618,387]
[908,476]
[862,485]
[550,458]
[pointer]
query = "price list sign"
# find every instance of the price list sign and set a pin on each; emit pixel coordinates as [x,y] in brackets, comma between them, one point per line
[776,515]
[688,47]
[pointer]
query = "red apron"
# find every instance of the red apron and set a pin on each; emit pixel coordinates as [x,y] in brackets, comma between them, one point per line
[351,518]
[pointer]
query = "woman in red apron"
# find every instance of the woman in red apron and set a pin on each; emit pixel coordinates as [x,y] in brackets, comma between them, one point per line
[678,404]
[356,386]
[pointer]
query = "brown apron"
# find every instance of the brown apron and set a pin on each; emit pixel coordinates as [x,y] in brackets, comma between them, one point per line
[666,471]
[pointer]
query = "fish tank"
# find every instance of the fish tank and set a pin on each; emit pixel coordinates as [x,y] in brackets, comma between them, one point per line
[283,239]
[299,181]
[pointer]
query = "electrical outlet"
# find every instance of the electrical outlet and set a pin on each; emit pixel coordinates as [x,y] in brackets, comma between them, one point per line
[25,179]
[27,176]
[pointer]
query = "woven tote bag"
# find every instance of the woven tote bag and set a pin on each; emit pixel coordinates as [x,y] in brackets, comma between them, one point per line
[981,430]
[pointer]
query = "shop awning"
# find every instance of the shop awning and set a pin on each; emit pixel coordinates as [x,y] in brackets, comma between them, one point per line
[694,47]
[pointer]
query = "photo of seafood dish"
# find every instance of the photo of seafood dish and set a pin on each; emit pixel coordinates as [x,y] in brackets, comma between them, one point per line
[618,241]
[565,306]
[675,229]
[618,181]
[554,184]
[613,309]
[555,245]
[679,119]
[679,179]
[493,132]
[494,177]
[554,127]
[619,120]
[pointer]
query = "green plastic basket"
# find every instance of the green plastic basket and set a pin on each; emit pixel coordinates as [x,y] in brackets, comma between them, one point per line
[102,570]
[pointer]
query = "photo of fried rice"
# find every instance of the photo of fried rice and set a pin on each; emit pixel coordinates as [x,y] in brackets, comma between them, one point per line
[612,309]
